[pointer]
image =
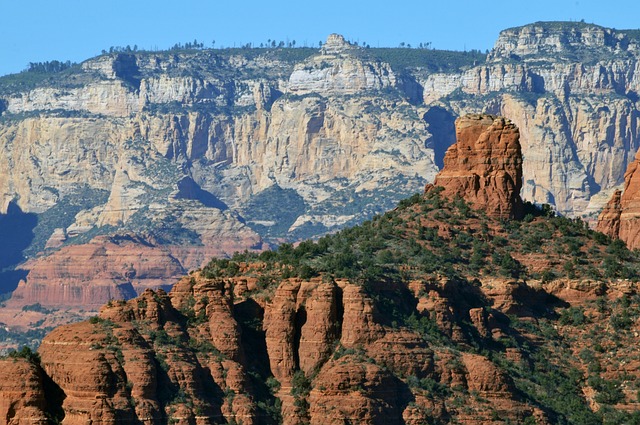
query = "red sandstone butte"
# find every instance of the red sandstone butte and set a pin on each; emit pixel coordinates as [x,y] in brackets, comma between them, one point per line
[484,166]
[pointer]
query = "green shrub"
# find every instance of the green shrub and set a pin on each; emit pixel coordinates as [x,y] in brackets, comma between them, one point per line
[609,392]
[573,316]
[25,353]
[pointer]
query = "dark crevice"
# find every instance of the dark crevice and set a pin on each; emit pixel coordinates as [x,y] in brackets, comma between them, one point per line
[250,315]
[274,95]
[299,320]
[54,396]
[126,68]
[210,392]
[189,189]
[411,88]
[339,300]
[443,132]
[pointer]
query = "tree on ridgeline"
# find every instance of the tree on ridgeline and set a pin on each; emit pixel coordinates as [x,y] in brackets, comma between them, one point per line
[49,66]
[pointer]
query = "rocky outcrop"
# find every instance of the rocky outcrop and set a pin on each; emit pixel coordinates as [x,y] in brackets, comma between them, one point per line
[619,218]
[22,394]
[484,166]
[87,276]
[543,38]
[609,219]
[571,88]
[339,69]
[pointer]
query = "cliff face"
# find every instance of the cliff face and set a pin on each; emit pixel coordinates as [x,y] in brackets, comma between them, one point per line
[484,166]
[230,128]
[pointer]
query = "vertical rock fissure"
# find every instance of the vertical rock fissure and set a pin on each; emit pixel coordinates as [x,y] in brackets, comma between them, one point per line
[299,321]
[339,304]
[54,397]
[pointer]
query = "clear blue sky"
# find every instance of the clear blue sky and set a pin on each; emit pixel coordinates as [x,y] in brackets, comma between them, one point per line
[40,30]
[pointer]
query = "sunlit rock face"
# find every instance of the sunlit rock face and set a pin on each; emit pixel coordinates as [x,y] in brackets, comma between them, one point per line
[484,166]
[620,218]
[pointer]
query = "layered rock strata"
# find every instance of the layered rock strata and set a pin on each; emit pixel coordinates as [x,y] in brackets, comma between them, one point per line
[89,275]
[22,393]
[196,164]
[484,166]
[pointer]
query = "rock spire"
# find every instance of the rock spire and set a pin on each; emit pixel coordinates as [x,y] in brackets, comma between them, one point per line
[484,166]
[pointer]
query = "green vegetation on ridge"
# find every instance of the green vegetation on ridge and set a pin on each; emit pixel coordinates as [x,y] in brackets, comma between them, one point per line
[428,237]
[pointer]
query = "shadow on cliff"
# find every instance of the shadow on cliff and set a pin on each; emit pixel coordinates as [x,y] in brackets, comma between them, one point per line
[189,189]
[250,317]
[54,397]
[443,131]
[16,234]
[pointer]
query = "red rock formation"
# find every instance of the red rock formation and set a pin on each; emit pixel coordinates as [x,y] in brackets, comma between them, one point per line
[280,325]
[22,396]
[609,218]
[620,219]
[113,370]
[484,166]
[318,317]
[78,358]
[161,358]
[352,391]
[202,353]
[87,276]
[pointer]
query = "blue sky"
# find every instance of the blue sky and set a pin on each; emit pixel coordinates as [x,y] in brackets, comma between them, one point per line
[40,30]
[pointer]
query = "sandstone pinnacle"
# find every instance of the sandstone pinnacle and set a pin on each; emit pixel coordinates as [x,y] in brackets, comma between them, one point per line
[484,166]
